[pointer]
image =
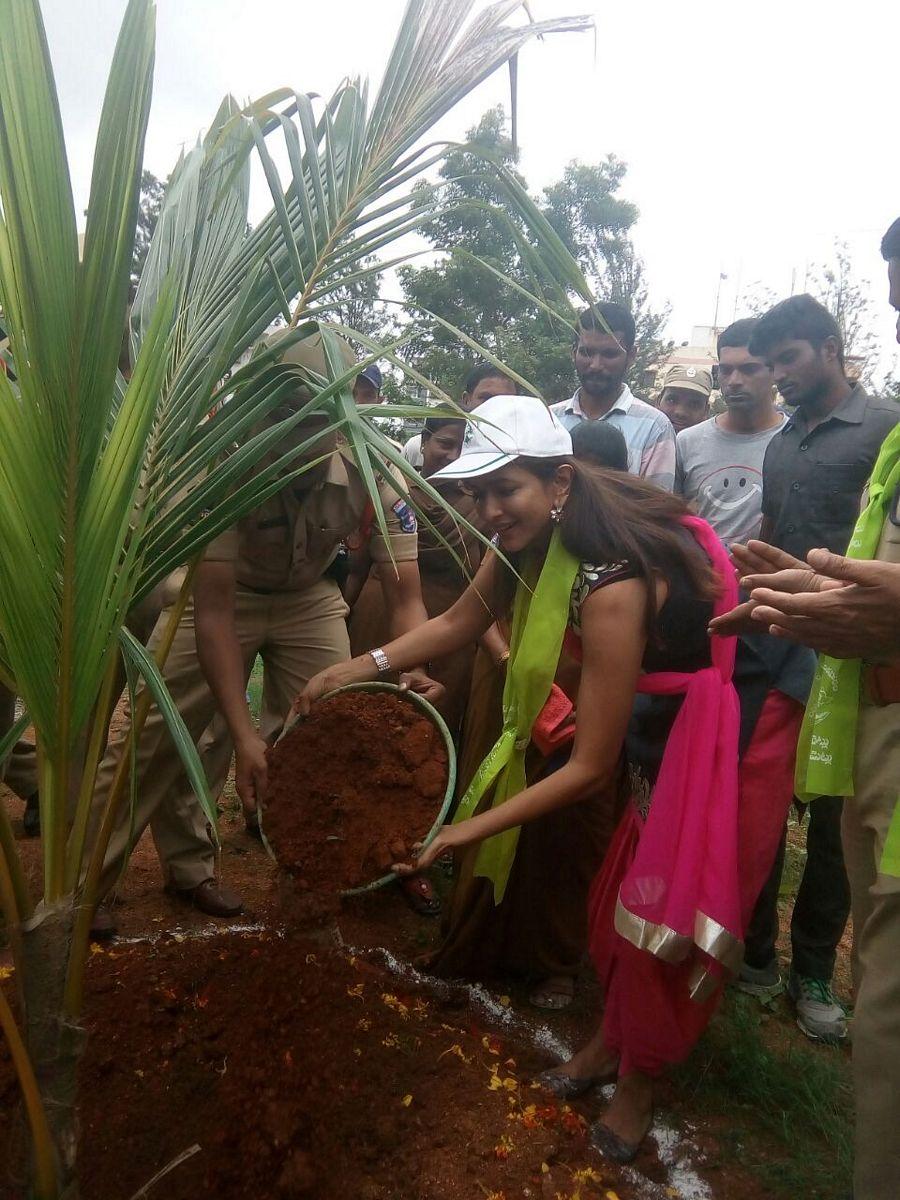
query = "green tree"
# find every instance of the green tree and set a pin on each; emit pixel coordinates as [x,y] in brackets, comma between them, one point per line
[152,194]
[846,297]
[107,485]
[591,219]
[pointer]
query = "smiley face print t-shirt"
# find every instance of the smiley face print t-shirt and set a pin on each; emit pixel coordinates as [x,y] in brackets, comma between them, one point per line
[720,473]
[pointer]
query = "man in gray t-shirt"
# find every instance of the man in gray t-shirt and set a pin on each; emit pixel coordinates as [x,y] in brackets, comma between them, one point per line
[720,472]
[718,464]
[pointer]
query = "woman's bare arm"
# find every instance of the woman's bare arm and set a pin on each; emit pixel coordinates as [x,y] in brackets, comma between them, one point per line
[613,643]
[462,623]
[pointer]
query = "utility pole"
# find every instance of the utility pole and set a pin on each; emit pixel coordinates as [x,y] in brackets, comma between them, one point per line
[722,276]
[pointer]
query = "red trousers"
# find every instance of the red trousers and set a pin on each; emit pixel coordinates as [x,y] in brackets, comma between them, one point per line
[649,1018]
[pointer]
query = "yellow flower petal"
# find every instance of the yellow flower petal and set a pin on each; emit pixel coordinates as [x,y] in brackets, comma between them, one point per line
[407,1100]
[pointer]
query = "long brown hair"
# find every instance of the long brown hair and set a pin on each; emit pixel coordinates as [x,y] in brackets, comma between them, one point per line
[613,517]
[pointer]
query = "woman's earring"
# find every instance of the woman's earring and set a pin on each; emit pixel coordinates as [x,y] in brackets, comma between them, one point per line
[556,514]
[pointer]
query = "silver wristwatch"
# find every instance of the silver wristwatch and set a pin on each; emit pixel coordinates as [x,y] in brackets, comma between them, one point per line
[382,662]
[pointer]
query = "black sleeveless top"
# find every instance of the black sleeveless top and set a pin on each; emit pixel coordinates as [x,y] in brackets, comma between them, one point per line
[679,643]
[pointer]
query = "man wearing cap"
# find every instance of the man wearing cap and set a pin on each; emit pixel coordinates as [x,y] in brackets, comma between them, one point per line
[603,352]
[685,395]
[262,588]
[367,386]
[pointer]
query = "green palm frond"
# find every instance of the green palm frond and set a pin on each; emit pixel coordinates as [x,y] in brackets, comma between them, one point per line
[106,487]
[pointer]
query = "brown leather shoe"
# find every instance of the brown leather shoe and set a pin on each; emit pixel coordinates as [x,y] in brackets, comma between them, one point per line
[212,898]
[103,926]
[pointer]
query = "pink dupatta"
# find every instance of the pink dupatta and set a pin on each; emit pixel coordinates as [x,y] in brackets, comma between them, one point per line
[681,891]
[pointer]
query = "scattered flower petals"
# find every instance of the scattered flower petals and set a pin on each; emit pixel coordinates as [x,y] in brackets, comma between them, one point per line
[457,1050]
[587,1175]
[503,1148]
[397,1005]
[407,1100]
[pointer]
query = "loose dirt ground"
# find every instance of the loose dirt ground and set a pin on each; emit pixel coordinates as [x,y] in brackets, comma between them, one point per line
[320,1064]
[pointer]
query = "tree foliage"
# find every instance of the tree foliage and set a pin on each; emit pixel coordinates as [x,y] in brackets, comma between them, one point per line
[151,199]
[593,222]
[846,297]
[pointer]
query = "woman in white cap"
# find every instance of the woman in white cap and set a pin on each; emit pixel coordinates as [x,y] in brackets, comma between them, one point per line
[616,569]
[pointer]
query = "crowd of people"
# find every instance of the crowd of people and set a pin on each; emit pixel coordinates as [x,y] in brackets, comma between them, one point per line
[679,623]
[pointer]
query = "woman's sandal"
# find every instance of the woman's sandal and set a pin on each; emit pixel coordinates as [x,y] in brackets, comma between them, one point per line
[420,895]
[553,994]
[569,1087]
[611,1146]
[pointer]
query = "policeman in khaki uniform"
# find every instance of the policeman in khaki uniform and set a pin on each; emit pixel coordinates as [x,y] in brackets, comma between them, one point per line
[262,588]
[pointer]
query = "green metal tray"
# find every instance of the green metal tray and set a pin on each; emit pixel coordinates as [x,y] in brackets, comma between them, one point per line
[428,710]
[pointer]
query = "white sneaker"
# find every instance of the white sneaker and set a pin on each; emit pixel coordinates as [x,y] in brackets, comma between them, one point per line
[819,1015]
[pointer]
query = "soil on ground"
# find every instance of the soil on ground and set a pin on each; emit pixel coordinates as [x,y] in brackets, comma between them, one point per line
[316,1062]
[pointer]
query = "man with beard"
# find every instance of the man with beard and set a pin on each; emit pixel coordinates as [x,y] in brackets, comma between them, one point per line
[603,352]
[815,469]
[849,609]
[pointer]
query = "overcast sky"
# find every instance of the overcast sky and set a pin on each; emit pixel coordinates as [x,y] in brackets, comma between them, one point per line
[754,134]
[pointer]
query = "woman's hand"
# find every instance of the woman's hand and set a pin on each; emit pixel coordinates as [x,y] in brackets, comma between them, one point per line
[417,680]
[357,670]
[449,837]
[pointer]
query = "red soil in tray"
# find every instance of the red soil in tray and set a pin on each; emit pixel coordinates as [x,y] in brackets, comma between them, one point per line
[302,1073]
[351,788]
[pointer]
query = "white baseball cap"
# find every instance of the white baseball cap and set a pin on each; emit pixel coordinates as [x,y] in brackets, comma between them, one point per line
[509,427]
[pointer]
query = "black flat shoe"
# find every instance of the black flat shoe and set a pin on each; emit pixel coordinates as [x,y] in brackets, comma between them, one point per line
[611,1146]
[570,1087]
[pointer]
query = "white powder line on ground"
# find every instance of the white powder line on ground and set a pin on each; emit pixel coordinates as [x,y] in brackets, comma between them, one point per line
[674,1151]
[204,933]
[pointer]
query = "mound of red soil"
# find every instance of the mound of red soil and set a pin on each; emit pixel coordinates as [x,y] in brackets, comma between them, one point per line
[351,789]
[302,1073]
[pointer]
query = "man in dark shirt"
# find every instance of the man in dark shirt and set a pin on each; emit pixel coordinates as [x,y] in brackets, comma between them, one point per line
[814,472]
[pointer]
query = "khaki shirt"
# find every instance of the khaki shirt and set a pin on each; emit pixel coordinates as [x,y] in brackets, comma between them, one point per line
[288,543]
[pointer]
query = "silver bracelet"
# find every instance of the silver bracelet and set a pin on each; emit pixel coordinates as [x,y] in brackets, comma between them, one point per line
[382,662]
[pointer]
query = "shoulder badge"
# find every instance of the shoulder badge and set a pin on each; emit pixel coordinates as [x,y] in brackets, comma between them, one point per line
[405,516]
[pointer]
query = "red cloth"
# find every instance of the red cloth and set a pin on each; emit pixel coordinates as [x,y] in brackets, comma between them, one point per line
[649,1018]
[767,788]
[555,723]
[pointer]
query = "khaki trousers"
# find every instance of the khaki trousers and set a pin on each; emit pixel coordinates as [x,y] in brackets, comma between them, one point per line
[876,954]
[297,634]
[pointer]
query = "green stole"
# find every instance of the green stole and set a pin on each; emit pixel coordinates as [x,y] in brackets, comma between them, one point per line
[827,747]
[540,617]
